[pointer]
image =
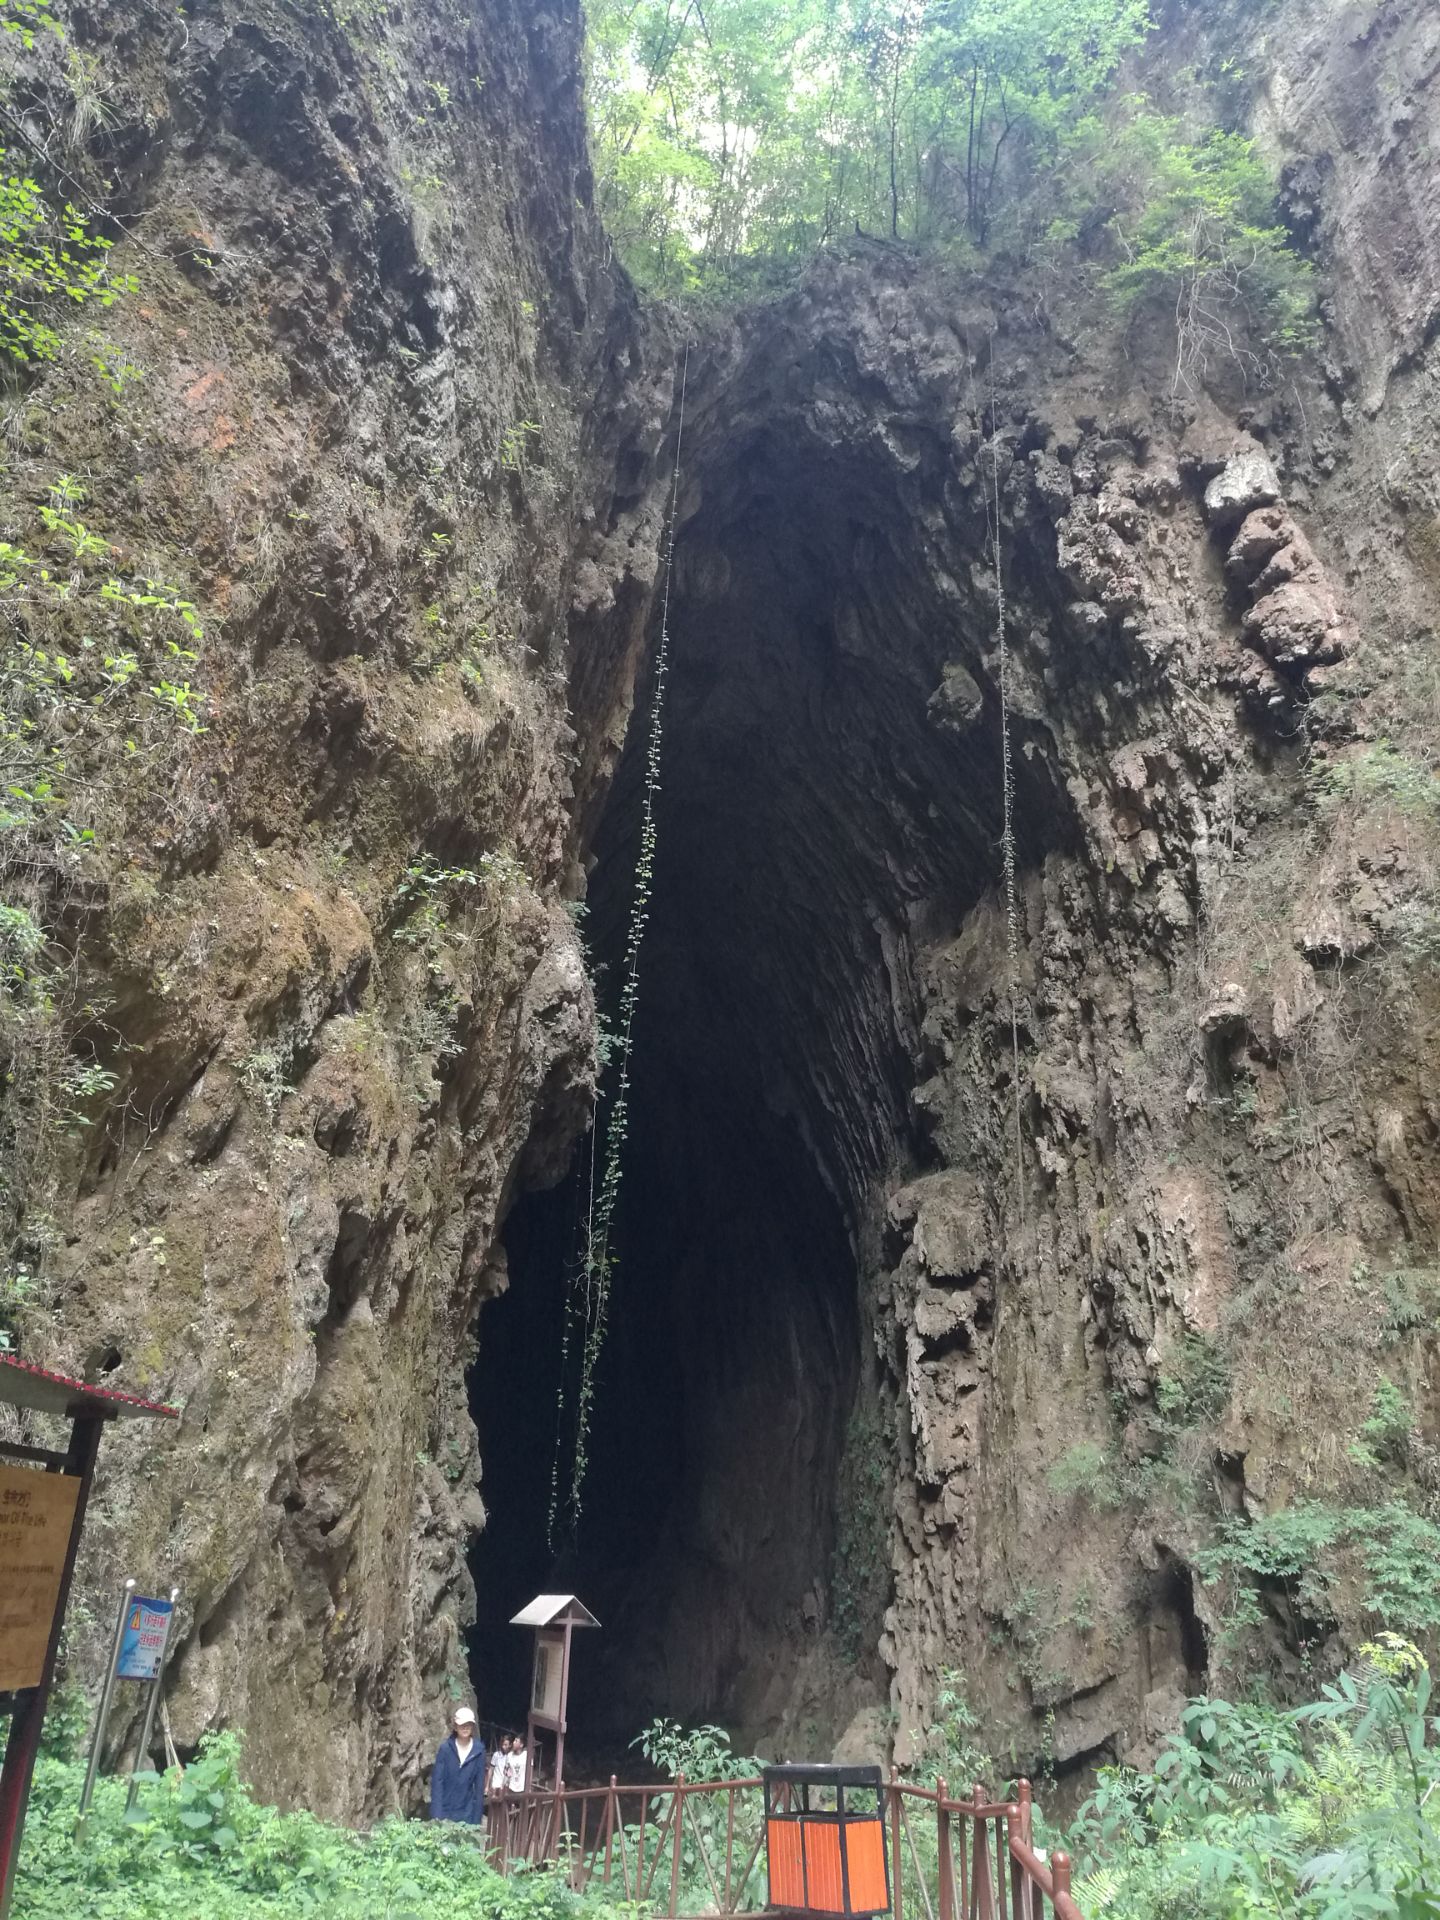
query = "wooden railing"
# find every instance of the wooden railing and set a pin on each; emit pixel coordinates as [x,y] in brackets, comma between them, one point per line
[692,1849]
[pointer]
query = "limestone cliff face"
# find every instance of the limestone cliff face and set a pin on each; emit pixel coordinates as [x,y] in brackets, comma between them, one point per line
[1161,1285]
[397,437]
[1228,1013]
[394,437]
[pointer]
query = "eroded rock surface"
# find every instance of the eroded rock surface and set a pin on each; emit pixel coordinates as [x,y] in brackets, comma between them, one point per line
[947,1191]
[395,437]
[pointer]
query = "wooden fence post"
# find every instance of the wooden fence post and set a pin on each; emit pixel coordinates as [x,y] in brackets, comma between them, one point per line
[1060,1877]
[982,1899]
[947,1864]
[897,1865]
[1019,1879]
[678,1821]
[1024,1795]
[609,1826]
[730,1843]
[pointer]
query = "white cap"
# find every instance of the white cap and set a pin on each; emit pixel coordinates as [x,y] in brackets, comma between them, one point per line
[464,1713]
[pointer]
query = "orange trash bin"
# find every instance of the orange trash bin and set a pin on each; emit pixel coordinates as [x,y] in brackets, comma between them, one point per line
[825,1846]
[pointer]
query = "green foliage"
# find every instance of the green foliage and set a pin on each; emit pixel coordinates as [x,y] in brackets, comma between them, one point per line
[67,1718]
[95,691]
[431,894]
[734,141]
[51,258]
[1191,1392]
[84,653]
[264,1076]
[1194,1383]
[1276,1549]
[1297,1551]
[25,19]
[1085,1471]
[18,1289]
[1321,1814]
[47,256]
[200,1848]
[514,442]
[741,137]
[1386,1431]
[700,1753]
[949,1747]
[1205,243]
[1411,1300]
[1401,1553]
[704,1753]
[1378,777]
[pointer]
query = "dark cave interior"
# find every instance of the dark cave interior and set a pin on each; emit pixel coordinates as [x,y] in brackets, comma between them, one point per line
[817,818]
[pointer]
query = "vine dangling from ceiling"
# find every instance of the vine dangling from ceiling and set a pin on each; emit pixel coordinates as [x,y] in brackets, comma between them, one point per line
[587,1305]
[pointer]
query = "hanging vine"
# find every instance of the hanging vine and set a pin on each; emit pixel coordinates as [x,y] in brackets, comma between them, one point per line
[575,1266]
[587,1304]
[1007,783]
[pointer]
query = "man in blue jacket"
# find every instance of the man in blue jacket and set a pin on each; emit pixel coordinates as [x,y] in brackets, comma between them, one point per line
[457,1786]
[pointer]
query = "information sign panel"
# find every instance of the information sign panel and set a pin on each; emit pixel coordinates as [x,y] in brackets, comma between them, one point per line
[37,1511]
[142,1641]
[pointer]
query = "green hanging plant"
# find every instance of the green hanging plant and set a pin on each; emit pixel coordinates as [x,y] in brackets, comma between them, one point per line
[587,1302]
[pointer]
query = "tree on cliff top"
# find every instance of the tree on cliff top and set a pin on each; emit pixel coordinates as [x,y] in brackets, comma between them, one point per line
[734,133]
[747,133]
[735,138]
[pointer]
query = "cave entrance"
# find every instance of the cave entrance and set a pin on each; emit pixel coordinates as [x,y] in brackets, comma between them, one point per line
[720,1406]
[830,798]
[730,1364]
[761,1100]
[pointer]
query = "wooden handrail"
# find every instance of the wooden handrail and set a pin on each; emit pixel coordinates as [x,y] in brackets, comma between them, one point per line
[986,1866]
[1053,1882]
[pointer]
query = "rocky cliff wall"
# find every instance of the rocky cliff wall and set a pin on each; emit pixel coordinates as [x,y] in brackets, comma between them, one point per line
[1155,1295]
[391,428]
[396,436]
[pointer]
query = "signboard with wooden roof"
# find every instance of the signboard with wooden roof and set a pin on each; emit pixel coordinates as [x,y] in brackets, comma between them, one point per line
[553,1618]
[42,1510]
[554,1610]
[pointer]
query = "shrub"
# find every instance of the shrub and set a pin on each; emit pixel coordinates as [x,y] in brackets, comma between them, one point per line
[1086,1471]
[1401,1554]
[1386,1431]
[950,1747]
[1280,1550]
[1205,245]
[700,1753]
[711,1825]
[1378,777]
[1325,1813]
[1397,1548]
[203,1849]
[1194,1383]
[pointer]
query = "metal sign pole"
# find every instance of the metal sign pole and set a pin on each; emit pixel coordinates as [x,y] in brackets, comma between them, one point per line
[151,1703]
[106,1696]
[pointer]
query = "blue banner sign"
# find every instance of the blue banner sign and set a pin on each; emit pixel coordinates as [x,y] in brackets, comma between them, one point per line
[142,1643]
